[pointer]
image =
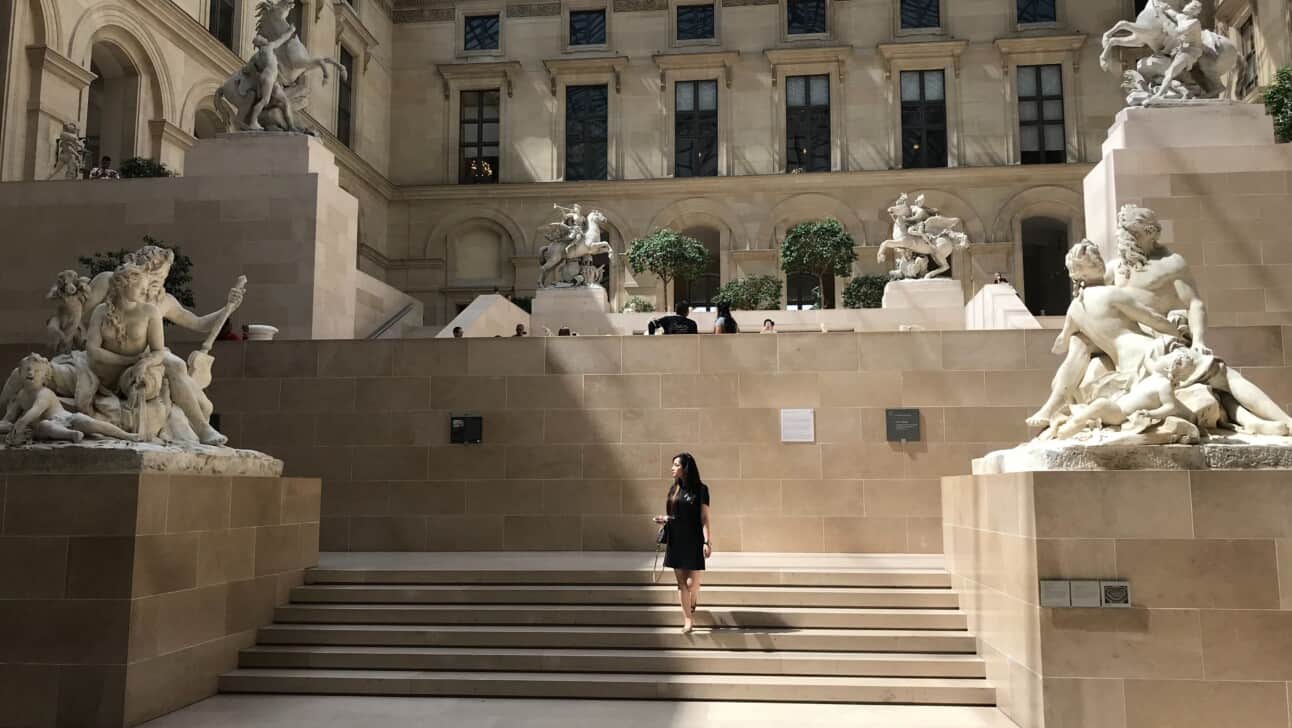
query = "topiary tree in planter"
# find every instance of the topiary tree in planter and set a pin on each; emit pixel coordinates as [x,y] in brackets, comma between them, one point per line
[865,292]
[178,283]
[820,248]
[670,255]
[752,293]
[637,304]
[140,167]
[1278,104]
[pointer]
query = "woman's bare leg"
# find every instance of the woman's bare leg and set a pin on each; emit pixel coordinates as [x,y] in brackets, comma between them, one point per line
[684,598]
[695,590]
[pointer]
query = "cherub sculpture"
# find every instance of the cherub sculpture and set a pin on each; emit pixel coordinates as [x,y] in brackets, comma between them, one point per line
[66,327]
[36,412]
[69,152]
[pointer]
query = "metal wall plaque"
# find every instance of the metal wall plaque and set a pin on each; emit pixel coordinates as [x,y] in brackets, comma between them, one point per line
[903,425]
[466,429]
[798,425]
[1086,594]
[1115,594]
[1056,593]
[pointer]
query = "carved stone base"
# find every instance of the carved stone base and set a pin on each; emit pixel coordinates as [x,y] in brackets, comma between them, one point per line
[925,294]
[583,309]
[1239,452]
[115,456]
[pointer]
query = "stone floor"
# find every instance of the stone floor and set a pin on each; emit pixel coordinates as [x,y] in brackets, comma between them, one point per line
[223,711]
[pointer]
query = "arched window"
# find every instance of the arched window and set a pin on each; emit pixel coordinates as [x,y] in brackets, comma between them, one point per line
[111,126]
[1048,290]
[701,291]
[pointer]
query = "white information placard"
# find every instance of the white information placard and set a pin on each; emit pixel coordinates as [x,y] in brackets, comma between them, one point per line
[798,425]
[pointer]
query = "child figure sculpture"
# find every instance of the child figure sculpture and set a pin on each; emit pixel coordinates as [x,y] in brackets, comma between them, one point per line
[42,415]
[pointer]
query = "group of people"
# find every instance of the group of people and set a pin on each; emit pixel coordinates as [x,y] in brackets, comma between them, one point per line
[680,322]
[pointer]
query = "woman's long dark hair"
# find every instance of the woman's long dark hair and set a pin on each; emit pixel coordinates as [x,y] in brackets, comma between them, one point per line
[690,479]
[729,325]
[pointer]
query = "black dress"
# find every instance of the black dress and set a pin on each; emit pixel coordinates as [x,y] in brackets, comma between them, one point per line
[686,530]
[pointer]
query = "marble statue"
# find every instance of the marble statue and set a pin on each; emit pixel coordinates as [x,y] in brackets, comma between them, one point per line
[69,152]
[1184,62]
[1137,370]
[124,375]
[269,90]
[35,412]
[66,328]
[922,239]
[566,261]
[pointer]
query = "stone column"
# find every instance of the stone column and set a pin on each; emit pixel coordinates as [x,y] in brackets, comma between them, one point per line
[58,86]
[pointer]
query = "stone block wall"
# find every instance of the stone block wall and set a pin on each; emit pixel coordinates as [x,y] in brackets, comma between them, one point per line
[579,432]
[1208,640]
[123,596]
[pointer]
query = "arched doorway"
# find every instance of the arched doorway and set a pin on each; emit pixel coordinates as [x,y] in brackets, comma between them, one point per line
[207,124]
[1047,290]
[701,291]
[112,115]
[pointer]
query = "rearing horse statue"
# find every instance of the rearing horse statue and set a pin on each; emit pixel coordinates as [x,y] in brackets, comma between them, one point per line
[1151,29]
[587,243]
[294,59]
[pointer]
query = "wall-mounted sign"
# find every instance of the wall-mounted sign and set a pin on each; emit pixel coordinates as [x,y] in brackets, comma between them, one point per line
[466,429]
[903,425]
[798,425]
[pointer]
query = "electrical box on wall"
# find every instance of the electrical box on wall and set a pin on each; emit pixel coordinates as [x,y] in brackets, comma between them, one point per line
[1087,593]
[466,429]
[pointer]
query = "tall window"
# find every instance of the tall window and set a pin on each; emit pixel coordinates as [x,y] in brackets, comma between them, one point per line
[695,129]
[807,123]
[924,119]
[221,21]
[587,132]
[921,14]
[1037,11]
[1045,244]
[701,291]
[1247,48]
[345,100]
[805,17]
[478,121]
[695,22]
[1040,115]
[480,32]
[587,27]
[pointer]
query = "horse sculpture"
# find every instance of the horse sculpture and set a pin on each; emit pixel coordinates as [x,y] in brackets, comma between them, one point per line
[584,244]
[294,62]
[920,231]
[1152,30]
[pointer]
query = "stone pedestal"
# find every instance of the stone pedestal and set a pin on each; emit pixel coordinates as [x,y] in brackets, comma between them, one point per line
[584,310]
[1208,638]
[1218,181]
[925,294]
[126,590]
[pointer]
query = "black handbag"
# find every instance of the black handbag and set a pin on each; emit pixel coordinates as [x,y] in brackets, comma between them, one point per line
[661,538]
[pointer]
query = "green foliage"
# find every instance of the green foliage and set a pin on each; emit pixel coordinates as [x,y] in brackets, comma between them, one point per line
[1278,104]
[753,293]
[819,247]
[178,283]
[865,292]
[138,167]
[670,255]
[637,304]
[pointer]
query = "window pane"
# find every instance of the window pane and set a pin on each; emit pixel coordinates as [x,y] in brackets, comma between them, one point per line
[1027,111]
[1052,80]
[1054,111]
[585,132]
[920,14]
[1027,81]
[1054,137]
[805,16]
[470,111]
[470,133]
[708,95]
[933,86]
[481,33]
[587,27]
[1030,138]
[910,85]
[489,132]
[694,22]
[1037,11]
[686,96]
[796,90]
[820,91]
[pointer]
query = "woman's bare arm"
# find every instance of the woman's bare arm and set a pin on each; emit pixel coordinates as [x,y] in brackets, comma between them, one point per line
[704,523]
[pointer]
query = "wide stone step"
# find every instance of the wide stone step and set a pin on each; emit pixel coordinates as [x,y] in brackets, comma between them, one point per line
[728,662]
[725,596]
[645,615]
[764,640]
[921,691]
[892,578]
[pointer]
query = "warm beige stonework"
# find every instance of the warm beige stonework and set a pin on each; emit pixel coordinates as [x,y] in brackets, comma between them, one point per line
[125,595]
[1206,640]
[581,430]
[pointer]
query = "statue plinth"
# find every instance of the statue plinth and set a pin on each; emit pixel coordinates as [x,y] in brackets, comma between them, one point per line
[582,309]
[928,293]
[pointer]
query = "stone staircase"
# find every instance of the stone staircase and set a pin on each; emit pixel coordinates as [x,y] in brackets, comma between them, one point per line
[785,629]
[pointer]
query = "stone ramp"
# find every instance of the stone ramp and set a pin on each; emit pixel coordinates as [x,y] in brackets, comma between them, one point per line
[778,628]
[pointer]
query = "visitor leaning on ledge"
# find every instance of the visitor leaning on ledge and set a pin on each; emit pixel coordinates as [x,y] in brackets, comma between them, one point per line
[686,533]
[678,324]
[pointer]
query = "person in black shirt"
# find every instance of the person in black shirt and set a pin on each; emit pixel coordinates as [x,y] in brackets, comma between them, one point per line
[678,324]
[687,524]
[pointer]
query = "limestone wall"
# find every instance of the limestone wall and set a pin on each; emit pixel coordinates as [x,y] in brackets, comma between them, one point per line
[578,432]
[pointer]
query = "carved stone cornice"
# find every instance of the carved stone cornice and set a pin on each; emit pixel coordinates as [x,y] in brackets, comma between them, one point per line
[745,3]
[1066,43]
[835,54]
[48,59]
[923,50]
[557,67]
[166,131]
[639,6]
[677,61]
[534,10]
[502,71]
[347,20]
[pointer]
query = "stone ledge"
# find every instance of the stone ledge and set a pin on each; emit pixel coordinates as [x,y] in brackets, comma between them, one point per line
[112,456]
[1245,453]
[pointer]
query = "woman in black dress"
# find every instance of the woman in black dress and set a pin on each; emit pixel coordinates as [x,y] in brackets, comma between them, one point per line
[688,533]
